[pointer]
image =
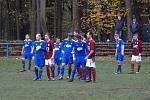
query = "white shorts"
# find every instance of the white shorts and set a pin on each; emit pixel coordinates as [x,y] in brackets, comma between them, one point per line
[136,58]
[48,62]
[90,63]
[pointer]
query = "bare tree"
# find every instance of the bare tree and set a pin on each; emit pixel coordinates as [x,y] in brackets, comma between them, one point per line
[128,9]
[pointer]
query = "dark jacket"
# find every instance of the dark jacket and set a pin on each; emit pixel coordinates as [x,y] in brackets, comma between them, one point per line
[148,28]
[134,28]
[119,25]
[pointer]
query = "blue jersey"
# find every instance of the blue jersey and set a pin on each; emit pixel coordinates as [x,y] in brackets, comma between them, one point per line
[80,48]
[119,44]
[57,48]
[67,46]
[39,49]
[27,44]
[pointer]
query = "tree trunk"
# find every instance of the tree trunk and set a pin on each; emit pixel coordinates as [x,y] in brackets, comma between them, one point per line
[75,20]
[128,8]
[17,19]
[32,15]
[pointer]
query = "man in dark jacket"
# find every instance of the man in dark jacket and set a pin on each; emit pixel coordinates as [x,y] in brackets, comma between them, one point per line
[148,30]
[119,26]
[134,27]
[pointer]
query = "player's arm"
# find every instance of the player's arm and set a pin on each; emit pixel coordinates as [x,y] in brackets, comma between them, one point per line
[122,47]
[140,47]
[22,49]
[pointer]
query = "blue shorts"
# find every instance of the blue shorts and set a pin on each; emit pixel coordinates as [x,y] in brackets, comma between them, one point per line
[67,59]
[119,57]
[27,56]
[39,62]
[80,61]
[57,60]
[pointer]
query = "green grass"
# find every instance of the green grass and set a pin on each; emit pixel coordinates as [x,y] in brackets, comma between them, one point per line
[19,86]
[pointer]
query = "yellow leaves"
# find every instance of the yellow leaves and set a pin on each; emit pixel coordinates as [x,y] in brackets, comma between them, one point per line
[101,14]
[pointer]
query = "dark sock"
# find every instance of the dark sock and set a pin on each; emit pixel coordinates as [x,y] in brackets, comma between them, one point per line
[94,74]
[37,72]
[139,67]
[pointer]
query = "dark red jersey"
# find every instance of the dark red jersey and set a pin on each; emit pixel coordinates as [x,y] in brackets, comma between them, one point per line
[91,46]
[137,47]
[49,49]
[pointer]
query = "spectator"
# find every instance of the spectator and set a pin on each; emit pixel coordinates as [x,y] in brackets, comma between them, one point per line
[119,23]
[134,27]
[148,30]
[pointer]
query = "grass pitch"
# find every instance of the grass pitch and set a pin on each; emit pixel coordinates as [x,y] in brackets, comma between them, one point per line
[19,86]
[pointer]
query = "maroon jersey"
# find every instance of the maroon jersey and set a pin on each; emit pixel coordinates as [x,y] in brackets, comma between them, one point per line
[49,49]
[137,45]
[91,46]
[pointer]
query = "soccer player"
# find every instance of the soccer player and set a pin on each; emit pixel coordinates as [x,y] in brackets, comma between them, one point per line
[39,48]
[57,55]
[136,53]
[67,51]
[26,52]
[90,58]
[80,50]
[119,53]
[49,58]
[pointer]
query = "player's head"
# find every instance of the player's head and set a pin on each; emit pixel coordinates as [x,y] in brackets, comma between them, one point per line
[116,36]
[38,37]
[69,35]
[119,17]
[134,20]
[46,37]
[27,36]
[79,38]
[83,35]
[58,40]
[89,35]
[135,36]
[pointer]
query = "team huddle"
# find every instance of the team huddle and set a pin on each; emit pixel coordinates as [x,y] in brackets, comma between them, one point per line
[75,49]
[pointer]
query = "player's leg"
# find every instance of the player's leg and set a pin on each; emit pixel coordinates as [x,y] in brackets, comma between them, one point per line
[94,74]
[132,64]
[40,72]
[139,64]
[36,73]
[119,68]
[83,63]
[70,62]
[88,64]
[41,65]
[62,69]
[29,57]
[53,71]
[47,69]
[23,65]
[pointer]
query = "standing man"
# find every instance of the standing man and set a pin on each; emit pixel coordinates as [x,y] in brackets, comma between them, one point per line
[119,26]
[57,55]
[134,27]
[136,53]
[26,52]
[80,50]
[39,48]
[119,53]
[148,30]
[67,51]
[48,57]
[90,58]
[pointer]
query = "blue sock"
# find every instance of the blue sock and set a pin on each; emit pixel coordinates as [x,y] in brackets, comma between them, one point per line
[62,70]
[40,74]
[119,68]
[58,70]
[23,64]
[73,73]
[84,73]
[69,72]
[37,73]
